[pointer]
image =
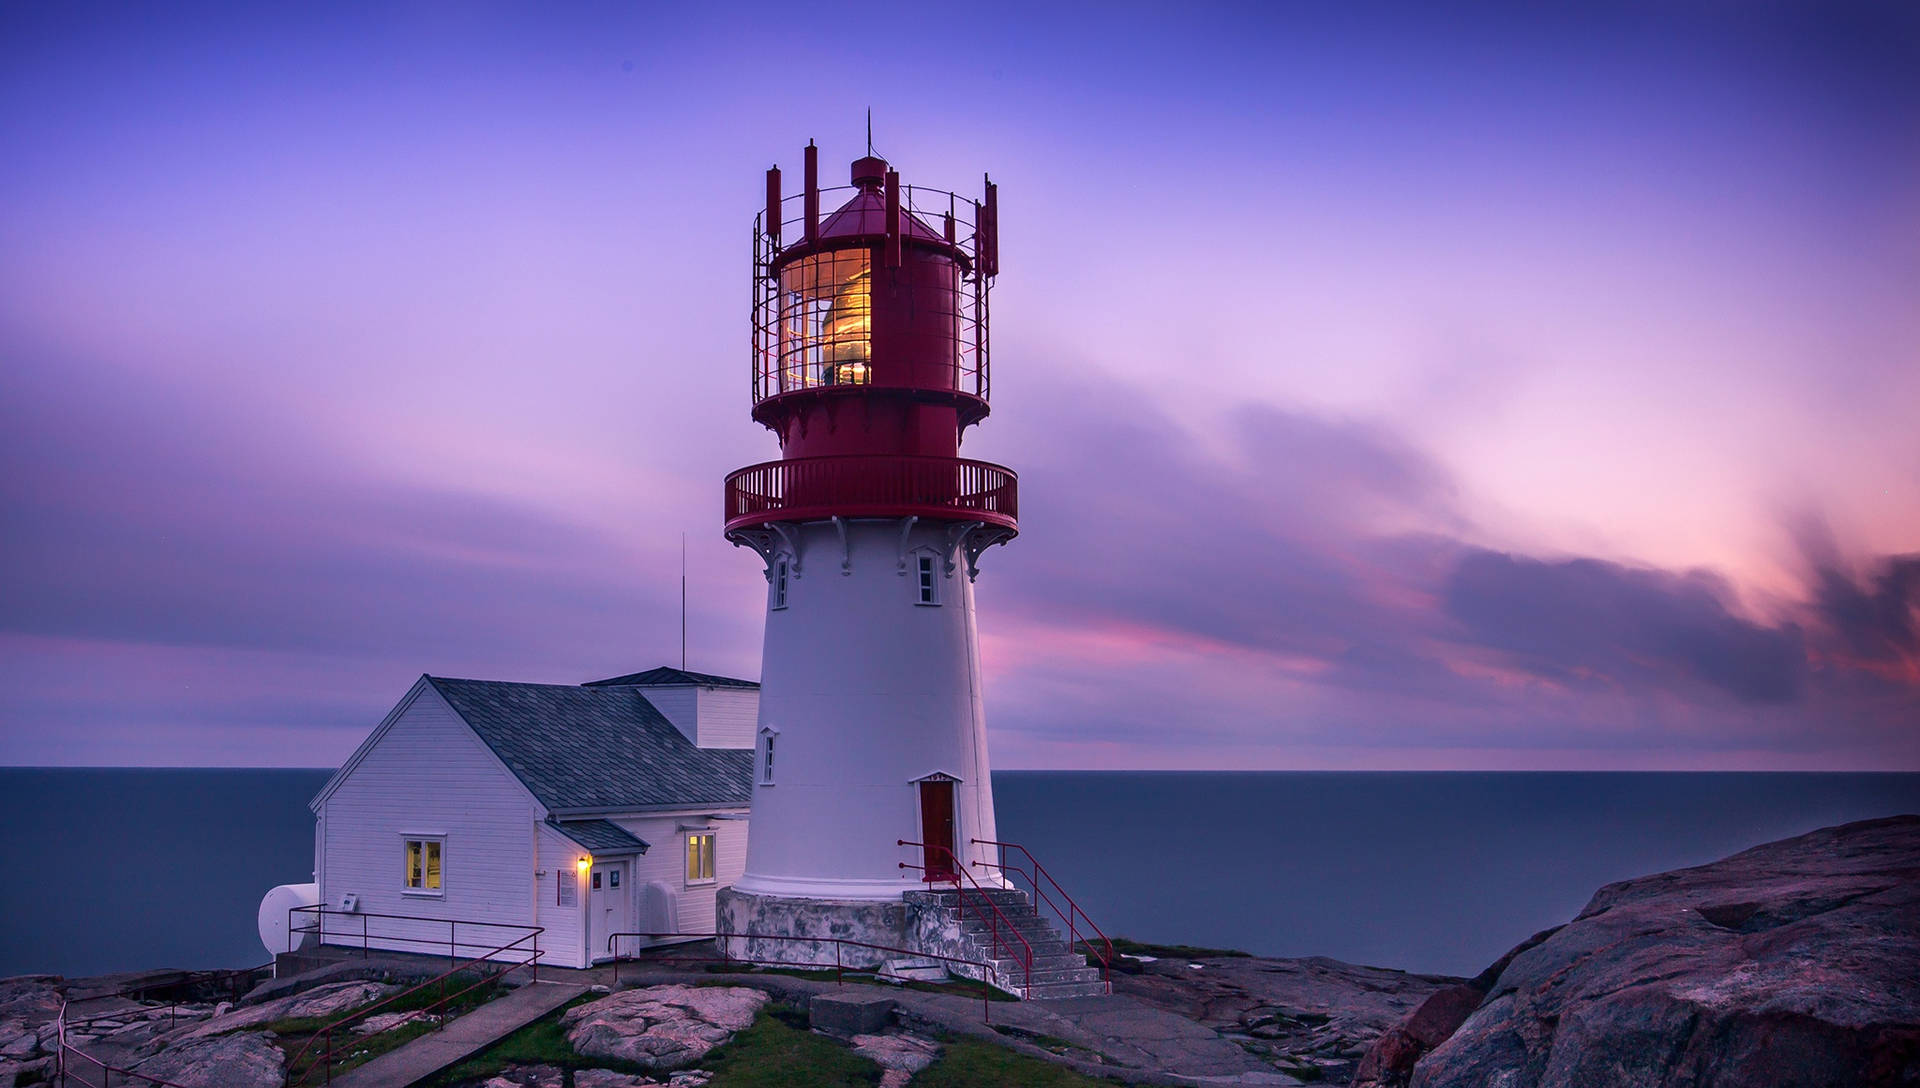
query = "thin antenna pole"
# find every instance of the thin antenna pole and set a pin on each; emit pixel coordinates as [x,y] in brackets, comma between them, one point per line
[869,131]
[683,601]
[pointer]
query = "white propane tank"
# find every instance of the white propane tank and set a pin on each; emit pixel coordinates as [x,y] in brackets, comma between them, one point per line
[273,915]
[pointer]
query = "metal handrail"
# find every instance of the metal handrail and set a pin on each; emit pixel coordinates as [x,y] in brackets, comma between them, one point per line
[532,962]
[993,926]
[723,939]
[1068,916]
[452,943]
[875,485]
[62,1021]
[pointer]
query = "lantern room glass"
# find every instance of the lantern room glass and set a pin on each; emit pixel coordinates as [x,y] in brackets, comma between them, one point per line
[826,320]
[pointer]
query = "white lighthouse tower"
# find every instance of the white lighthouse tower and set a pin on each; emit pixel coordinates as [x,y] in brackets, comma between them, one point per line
[869,363]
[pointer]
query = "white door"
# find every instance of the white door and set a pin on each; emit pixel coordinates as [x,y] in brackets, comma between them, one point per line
[607,911]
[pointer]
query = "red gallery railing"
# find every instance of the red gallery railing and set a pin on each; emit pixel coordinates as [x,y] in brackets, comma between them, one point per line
[873,485]
[1072,916]
[994,917]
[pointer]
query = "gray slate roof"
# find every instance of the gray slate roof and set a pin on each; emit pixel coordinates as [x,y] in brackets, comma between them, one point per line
[601,836]
[667,676]
[603,748]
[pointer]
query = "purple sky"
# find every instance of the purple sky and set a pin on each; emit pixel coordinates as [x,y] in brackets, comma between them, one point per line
[1390,387]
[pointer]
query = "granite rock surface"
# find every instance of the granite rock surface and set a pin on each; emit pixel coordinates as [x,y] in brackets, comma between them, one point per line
[1310,1017]
[661,1026]
[246,1059]
[1794,963]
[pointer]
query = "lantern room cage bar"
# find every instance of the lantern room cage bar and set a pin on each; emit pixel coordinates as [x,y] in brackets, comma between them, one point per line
[790,358]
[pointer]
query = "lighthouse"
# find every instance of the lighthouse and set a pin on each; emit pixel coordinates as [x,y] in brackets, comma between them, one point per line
[870,361]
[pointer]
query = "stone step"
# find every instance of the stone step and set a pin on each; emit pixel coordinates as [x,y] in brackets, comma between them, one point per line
[1007,964]
[1042,950]
[1055,991]
[1026,929]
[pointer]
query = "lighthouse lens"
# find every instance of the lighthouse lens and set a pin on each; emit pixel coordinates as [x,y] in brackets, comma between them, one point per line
[826,321]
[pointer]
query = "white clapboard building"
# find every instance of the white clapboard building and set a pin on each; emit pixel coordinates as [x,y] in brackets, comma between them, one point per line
[479,809]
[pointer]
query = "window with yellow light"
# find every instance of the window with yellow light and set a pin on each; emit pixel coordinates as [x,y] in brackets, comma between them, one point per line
[826,320]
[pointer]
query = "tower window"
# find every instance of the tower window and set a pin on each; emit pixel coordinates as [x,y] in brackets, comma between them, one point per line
[929,581]
[779,590]
[766,757]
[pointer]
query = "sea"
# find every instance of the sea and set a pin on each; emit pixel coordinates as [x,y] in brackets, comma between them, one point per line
[105,870]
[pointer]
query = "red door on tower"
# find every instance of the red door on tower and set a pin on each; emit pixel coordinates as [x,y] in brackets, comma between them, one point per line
[936,829]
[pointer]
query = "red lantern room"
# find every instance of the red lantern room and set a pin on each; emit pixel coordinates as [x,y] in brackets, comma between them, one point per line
[870,354]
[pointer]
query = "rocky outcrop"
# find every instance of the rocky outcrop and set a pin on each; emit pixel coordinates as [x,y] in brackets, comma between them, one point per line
[1794,963]
[246,1059]
[661,1026]
[1311,1017]
[334,999]
[898,1056]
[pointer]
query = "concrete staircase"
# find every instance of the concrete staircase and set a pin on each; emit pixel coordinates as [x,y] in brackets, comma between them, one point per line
[1058,971]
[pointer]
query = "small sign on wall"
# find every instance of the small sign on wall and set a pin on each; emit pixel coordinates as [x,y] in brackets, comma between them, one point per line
[564,884]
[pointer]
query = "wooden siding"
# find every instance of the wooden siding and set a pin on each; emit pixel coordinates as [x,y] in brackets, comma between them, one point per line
[667,862]
[564,942]
[727,717]
[428,774]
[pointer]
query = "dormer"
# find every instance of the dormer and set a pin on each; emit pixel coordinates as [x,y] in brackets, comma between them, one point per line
[711,711]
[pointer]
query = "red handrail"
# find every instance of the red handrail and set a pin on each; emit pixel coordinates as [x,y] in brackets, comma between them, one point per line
[532,961]
[452,943]
[986,969]
[993,924]
[63,1021]
[872,485]
[1068,916]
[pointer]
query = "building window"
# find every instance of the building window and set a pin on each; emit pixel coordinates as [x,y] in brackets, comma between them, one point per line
[699,857]
[929,581]
[423,866]
[767,737]
[779,592]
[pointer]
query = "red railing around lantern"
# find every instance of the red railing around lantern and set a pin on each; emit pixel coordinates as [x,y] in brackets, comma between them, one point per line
[873,485]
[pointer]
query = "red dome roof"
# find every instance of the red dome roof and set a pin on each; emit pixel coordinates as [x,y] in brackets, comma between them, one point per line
[866,213]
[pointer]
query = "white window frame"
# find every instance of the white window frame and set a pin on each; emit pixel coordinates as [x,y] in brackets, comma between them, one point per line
[926,579]
[764,764]
[778,584]
[712,866]
[407,838]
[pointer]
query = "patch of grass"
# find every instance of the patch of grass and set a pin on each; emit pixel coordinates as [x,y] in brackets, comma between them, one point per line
[405,1002]
[964,987]
[778,1051]
[352,1050]
[815,974]
[350,1054]
[967,1063]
